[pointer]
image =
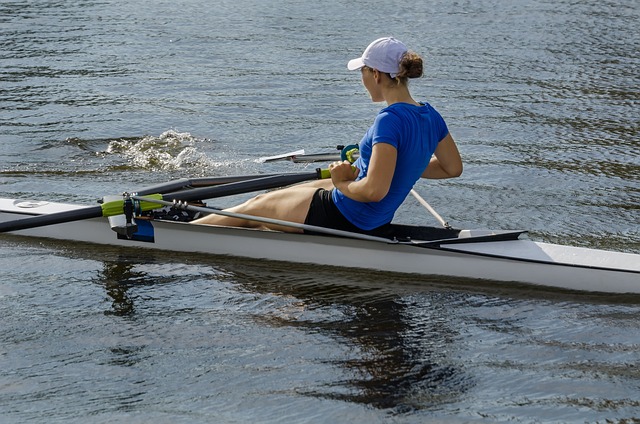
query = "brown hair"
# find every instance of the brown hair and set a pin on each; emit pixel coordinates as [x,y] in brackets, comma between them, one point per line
[410,67]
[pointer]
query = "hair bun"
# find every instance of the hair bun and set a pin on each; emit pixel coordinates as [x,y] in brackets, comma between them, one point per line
[410,65]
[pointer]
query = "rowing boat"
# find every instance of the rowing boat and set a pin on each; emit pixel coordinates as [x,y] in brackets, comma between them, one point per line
[493,256]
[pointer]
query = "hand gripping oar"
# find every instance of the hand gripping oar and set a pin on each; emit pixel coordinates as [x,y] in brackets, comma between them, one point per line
[117,207]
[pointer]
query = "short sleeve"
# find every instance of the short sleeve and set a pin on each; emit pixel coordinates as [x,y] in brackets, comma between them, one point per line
[387,128]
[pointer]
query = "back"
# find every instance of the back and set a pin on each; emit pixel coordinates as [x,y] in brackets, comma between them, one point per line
[415,132]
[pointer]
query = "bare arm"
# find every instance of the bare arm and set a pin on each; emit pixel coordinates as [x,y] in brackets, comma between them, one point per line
[375,186]
[446,161]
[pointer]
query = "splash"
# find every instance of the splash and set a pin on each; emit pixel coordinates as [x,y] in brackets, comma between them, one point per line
[169,151]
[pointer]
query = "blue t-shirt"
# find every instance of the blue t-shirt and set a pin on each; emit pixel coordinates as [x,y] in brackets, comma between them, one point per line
[415,132]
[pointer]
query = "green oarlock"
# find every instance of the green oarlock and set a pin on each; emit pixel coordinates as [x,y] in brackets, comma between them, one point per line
[349,153]
[116,207]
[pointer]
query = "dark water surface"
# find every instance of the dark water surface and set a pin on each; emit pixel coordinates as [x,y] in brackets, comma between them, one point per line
[97,97]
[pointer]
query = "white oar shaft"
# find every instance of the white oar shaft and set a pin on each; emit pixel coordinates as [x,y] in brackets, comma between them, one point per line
[304,227]
[428,207]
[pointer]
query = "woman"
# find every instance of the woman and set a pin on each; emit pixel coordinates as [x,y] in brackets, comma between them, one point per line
[407,140]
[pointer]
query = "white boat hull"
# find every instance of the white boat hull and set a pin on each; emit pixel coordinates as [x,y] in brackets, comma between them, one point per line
[521,261]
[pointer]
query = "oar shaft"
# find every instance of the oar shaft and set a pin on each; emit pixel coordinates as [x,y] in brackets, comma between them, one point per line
[51,219]
[239,187]
[184,183]
[317,157]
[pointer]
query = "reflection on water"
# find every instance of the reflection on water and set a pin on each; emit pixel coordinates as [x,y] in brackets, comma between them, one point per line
[401,362]
[396,346]
[117,278]
[236,335]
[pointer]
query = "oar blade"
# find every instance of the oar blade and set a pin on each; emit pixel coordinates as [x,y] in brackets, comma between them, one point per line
[284,156]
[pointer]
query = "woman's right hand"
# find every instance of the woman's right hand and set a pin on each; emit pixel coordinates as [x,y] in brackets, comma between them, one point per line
[342,171]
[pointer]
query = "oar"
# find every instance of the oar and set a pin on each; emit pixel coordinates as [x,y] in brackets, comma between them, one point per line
[284,156]
[257,184]
[116,207]
[315,157]
[184,183]
[349,153]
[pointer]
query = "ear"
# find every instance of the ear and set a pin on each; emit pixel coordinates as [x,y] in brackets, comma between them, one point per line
[376,76]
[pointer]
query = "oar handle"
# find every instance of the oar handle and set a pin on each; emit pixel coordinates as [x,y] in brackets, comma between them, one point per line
[323,174]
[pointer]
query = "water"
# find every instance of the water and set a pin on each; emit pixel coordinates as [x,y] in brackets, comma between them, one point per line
[99,97]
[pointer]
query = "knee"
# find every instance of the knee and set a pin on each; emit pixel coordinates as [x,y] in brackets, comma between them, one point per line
[255,201]
[251,205]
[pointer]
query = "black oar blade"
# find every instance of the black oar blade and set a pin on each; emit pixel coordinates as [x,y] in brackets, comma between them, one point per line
[51,219]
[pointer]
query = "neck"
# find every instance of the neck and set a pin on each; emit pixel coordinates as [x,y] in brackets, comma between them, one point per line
[398,94]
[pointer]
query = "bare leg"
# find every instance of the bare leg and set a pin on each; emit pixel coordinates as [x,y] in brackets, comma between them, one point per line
[326,183]
[288,204]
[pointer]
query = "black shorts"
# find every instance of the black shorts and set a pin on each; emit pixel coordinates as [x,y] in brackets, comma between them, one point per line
[324,213]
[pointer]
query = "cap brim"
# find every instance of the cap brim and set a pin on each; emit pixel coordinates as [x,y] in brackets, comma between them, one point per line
[355,64]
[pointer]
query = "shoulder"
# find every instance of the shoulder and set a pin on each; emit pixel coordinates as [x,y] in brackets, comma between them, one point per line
[388,120]
[391,114]
[401,110]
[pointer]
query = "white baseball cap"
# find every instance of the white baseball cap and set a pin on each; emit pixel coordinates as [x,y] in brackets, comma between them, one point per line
[384,54]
